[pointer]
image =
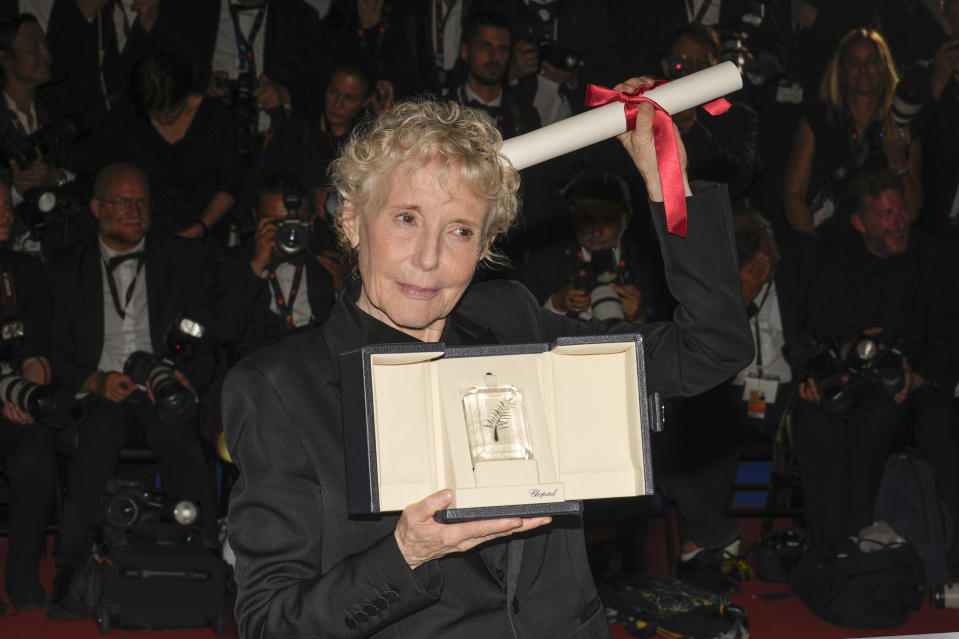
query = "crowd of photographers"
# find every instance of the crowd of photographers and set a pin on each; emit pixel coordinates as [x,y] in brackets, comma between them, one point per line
[164,199]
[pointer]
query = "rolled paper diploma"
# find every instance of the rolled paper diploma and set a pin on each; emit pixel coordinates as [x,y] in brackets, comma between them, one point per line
[609,120]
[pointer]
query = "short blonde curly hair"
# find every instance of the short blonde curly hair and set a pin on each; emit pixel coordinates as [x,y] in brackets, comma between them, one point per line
[419,133]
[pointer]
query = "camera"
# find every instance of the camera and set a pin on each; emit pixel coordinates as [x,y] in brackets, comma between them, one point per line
[908,98]
[238,95]
[595,278]
[562,57]
[38,400]
[173,399]
[733,42]
[870,361]
[292,233]
[129,502]
[43,209]
[24,150]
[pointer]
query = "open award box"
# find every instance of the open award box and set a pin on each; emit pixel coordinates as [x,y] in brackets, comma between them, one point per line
[519,430]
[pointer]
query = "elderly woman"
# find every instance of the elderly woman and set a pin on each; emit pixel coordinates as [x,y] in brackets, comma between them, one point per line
[847,129]
[424,192]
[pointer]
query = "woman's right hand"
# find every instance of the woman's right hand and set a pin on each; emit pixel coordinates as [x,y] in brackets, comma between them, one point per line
[421,539]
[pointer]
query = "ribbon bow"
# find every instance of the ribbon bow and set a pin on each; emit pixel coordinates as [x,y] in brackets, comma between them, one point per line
[667,153]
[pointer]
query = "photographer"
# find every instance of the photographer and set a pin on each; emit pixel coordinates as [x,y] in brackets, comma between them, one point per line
[899,290]
[283,279]
[117,295]
[594,273]
[273,44]
[26,447]
[720,148]
[559,45]
[25,61]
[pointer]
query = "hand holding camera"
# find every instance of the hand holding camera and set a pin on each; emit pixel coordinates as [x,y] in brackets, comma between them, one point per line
[264,245]
[524,60]
[269,94]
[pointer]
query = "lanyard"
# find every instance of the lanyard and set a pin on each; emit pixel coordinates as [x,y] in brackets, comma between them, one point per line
[759,346]
[285,307]
[244,45]
[110,266]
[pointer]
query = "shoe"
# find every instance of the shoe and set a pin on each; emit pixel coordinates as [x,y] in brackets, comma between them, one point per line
[705,570]
[66,600]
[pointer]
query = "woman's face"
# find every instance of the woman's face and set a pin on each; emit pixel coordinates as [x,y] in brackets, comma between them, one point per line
[417,248]
[861,68]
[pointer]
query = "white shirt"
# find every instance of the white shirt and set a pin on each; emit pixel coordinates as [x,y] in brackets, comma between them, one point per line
[123,336]
[769,324]
[302,313]
[127,15]
[40,9]
[452,32]
[495,102]
[226,53]
[712,13]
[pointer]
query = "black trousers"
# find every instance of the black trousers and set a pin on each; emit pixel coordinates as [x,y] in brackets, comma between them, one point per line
[29,463]
[106,427]
[841,459]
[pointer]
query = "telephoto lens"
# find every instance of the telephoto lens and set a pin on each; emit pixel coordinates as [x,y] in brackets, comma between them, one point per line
[38,400]
[944,596]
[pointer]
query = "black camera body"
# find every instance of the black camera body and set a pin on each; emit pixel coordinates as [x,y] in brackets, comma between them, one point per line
[734,40]
[173,400]
[24,149]
[44,208]
[870,362]
[37,400]
[292,234]
[129,502]
[238,95]
[595,277]
[559,56]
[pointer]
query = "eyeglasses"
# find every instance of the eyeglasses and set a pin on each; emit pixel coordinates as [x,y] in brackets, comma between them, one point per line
[127,203]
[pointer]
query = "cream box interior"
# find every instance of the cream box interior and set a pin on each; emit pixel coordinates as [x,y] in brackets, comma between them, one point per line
[583,401]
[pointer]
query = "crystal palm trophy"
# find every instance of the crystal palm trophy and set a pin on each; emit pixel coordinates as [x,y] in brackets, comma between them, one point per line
[496,422]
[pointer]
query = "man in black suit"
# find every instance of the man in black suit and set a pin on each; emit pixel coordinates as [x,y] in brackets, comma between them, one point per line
[95,44]
[697,456]
[26,447]
[485,51]
[277,288]
[720,148]
[275,41]
[117,294]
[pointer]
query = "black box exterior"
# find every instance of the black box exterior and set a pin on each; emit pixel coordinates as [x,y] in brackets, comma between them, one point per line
[360,426]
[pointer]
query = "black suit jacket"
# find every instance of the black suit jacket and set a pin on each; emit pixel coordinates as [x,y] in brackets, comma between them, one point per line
[178,280]
[31,303]
[292,54]
[305,567]
[244,299]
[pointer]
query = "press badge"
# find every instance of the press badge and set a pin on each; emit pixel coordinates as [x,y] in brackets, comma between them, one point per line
[757,393]
[789,92]
[11,330]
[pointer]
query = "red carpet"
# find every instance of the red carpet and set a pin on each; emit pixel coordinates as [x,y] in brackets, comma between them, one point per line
[782,619]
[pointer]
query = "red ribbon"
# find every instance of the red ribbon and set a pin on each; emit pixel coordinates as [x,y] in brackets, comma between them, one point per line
[667,153]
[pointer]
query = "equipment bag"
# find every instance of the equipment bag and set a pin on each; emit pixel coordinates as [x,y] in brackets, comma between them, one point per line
[877,589]
[911,500]
[165,581]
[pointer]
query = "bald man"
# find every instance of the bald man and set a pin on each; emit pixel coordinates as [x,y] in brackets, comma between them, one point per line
[116,294]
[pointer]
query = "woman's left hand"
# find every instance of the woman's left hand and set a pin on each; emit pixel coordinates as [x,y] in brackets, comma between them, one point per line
[895,144]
